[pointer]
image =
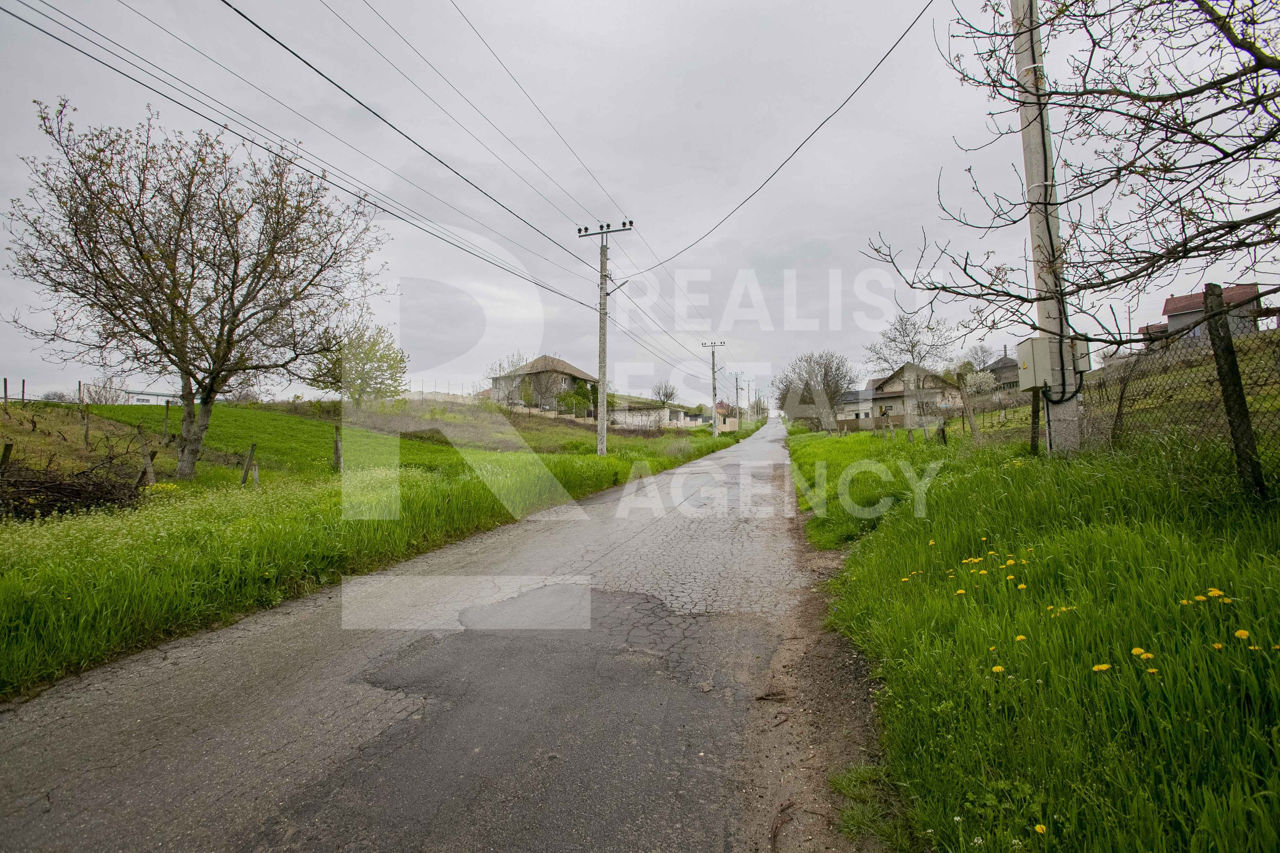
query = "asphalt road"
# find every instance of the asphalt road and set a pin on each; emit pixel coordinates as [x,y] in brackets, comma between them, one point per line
[575,681]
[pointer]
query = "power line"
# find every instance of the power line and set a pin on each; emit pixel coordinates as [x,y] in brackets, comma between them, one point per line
[803,142]
[258,144]
[395,127]
[479,111]
[203,98]
[358,150]
[545,118]
[442,108]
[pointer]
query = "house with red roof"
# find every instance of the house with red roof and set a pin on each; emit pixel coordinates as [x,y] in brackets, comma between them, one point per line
[1187,313]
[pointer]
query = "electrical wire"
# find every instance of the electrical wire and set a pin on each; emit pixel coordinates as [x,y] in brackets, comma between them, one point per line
[395,127]
[271,152]
[803,142]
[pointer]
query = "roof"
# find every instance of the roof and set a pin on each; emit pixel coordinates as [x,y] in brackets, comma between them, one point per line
[1154,329]
[1004,362]
[550,364]
[876,383]
[1195,301]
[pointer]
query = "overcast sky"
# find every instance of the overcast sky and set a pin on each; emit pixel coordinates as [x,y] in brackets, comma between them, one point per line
[679,109]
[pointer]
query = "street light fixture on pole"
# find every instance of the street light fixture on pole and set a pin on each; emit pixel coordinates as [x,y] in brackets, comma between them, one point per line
[602,393]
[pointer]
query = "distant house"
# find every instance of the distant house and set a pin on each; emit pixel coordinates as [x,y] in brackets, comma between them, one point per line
[1154,333]
[1187,312]
[911,396]
[1005,370]
[537,383]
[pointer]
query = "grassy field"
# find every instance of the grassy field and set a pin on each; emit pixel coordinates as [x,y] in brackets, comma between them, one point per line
[80,589]
[1075,656]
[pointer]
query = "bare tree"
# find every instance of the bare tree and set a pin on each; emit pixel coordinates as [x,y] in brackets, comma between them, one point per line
[57,397]
[980,355]
[366,363]
[810,388]
[107,391]
[173,254]
[664,392]
[911,338]
[1166,120]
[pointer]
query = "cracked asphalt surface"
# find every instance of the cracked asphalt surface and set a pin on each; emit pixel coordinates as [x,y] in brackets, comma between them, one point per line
[288,730]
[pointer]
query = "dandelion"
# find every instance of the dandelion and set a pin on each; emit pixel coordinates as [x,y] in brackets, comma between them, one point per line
[1008,562]
[1218,646]
[1040,828]
[1242,634]
[1137,650]
[904,580]
[1201,598]
[991,553]
[1101,667]
[1255,648]
[1184,601]
[1008,577]
[997,668]
[930,541]
[991,648]
[1214,592]
[1022,586]
[1146,656]
[983,572]
[959,592]
[1224,601]
[1153,670]
[1019,638]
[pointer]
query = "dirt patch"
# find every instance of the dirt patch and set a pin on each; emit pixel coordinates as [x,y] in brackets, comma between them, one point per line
[815,719]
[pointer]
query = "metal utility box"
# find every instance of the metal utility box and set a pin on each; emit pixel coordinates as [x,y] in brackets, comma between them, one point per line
[1035,367]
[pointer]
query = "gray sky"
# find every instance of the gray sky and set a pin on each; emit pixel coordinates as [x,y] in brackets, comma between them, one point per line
[679,109]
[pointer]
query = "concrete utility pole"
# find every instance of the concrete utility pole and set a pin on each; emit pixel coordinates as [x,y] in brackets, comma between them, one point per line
[737,413]
[715,424]
[1062,409]
[602,385]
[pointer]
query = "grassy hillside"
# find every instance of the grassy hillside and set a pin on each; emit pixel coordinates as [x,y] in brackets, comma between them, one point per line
[1075,655]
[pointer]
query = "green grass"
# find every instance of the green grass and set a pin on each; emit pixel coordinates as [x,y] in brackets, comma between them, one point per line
[80,589]
[1105,549]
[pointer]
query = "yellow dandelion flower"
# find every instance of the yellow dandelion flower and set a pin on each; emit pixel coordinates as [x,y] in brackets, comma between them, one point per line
[983,572]
[1024,562]
[1050,606]
[1201,598]
[1255,648]
[1040,828]
[1153,670]
[1008,577]
[1184,601]
[959,592]
[1224,601]
[930,541]
[1146,656]
[984,539]
[997,668]
[1101,667]
[991,553]
[1242,634]
[1218,646]
[991,648]
[1136,650]
[1019,638]
[1215,593]
[1008,562]
[904,580]
[1022,586]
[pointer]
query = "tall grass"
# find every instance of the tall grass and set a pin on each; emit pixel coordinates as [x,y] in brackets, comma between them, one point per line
[1076,655]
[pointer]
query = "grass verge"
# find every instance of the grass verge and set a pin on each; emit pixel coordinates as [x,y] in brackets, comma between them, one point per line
[1074,655]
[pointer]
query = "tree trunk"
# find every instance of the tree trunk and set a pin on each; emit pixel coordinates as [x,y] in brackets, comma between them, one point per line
[195,423]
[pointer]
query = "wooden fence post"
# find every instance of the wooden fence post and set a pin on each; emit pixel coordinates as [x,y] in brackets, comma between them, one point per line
[5,454]
[1234,401]
[244,474]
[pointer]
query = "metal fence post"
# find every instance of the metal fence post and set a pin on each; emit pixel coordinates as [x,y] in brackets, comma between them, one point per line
[1234,402]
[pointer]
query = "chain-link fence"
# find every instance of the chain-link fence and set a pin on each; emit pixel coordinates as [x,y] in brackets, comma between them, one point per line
[1217,386]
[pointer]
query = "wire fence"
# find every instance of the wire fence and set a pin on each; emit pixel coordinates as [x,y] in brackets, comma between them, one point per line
[1215,387]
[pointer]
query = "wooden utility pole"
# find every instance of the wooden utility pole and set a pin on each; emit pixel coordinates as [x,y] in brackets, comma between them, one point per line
[737,413]
[715,423]
[1062,401]
[602,385]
